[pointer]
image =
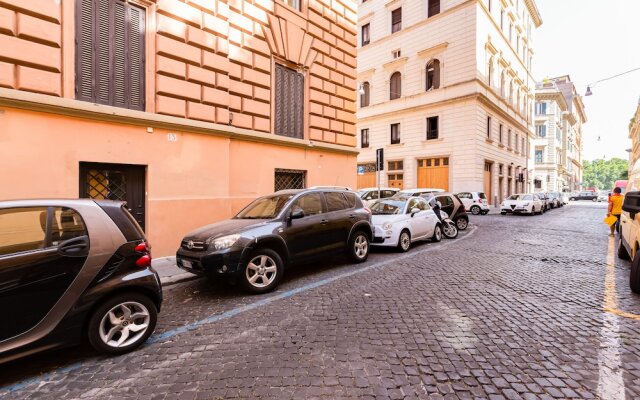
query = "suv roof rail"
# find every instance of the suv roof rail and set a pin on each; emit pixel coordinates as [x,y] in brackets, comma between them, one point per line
[331,187]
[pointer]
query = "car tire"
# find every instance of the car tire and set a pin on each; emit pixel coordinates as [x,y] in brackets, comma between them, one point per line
[475,210]
[462,223]
[109,322]
[265,265]
[622,251]
[594,200]
[634,276]
[359,247]
[503,213]
[404,241]
[437,233]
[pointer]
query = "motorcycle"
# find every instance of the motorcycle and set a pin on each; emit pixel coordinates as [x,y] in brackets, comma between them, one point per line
[449,228]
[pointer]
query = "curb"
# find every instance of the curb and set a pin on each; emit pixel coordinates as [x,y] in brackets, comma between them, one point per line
[174,279]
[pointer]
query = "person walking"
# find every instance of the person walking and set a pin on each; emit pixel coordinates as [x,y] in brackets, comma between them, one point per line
[615,208]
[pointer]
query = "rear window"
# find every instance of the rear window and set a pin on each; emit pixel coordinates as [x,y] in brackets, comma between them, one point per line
[123,220]
[482,196]
[335,201]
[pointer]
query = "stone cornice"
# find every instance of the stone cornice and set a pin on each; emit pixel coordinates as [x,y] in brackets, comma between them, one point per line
[439,48]
[98,112]
[395,63]
[533,10]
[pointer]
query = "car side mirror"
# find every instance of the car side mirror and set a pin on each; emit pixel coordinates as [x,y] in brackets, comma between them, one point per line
[632,203]
[368,198]
[296,213]
[414,211]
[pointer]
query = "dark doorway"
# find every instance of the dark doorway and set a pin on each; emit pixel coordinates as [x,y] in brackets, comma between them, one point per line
[120,182]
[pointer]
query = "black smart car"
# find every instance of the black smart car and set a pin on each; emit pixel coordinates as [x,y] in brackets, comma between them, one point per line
[287,227]
[453,206]
[74,269]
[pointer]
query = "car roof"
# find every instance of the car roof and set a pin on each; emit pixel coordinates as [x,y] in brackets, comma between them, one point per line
[369,189]
[51,202]
[421,190]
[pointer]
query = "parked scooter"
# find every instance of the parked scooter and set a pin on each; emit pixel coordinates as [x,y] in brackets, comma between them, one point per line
[449,228]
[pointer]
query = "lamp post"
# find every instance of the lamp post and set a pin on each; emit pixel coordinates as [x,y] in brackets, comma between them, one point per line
[592,85]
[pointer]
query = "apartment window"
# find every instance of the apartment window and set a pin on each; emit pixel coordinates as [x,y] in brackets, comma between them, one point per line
[524,151]
[509,139]
[289,99]
[541,130]
[110,53]
[538,156]
[516,142]
[395,133]
[396,54]
[297,4]
[396,165]
[433,75]
[434,8]
[558,135]
[365,96]
[488,127]
[500,134]
[502,84]
[396,20]
[395,86]
[432,128]
[490,72]
[364,138]
[518,44]
[366,39]
[489,5]
[289,179]
[502,19]
[541,108]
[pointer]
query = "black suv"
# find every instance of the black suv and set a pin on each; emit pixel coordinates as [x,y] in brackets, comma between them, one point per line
[287,227]
[74,269]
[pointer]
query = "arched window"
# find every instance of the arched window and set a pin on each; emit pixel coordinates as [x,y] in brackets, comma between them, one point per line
[518,99]
[511,93]
[502,84]
[395,86]
[433,75]
[365,96]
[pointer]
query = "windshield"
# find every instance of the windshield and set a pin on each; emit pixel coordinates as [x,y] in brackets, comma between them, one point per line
[264,207]
[520,197]
[362,193]
[388,207]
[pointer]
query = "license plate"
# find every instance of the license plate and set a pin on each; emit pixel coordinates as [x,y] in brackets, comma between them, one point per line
[187,264]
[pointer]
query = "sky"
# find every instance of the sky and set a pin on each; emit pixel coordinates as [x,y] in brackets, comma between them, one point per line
[591,40]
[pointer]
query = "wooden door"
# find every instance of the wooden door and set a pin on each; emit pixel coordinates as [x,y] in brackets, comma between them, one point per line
[396,181]
[115,182]
[433,173]
[500,189]
[488,179]
[368,179]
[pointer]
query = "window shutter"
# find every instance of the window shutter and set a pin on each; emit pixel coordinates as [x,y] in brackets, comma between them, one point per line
[289,114]
[102,58]
[119,49]
[436,74]
[136,58]
[434,7]
[84,49]
[396,16]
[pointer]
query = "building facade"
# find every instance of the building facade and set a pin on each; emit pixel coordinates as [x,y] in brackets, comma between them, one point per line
[559,117]
[634,135]
[446,91]
[185,109]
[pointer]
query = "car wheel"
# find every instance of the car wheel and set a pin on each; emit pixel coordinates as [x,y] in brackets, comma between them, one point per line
[404,242]
[462,223]
[594,200]
[262,272]
[634,276]
[449,230]
[437,234]
[359,247]
[503,213]
[122,323]
[622,251]
[475,210]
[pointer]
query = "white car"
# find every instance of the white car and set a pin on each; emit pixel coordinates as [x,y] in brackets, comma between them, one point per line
[475,202]
[370,195]
[526,203]
[402,220]
[603,196]
[420,191]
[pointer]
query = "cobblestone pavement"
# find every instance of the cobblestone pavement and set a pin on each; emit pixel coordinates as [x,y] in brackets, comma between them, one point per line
[514,308]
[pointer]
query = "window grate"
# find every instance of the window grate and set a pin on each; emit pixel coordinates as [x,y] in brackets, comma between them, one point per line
[289,179]
[106,185]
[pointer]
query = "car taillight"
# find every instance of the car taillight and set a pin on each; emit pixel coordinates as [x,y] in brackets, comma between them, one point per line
[464,209]
[145,258]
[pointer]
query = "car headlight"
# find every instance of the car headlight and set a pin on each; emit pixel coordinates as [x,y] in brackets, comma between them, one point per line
[386,226]
[224,242]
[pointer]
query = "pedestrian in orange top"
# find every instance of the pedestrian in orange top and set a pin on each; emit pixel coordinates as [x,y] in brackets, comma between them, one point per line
[615,207]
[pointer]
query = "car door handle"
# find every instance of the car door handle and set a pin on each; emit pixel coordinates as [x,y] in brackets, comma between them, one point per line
[324,221]
[75,247]
[352,216]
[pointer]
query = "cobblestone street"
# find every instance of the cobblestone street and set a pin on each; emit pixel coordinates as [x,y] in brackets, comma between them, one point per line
[513,308]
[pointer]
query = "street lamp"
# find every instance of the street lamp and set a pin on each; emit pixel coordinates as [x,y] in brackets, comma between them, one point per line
[592,85]
[361,89]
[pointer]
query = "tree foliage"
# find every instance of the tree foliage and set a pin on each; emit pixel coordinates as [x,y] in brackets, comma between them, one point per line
[602,174]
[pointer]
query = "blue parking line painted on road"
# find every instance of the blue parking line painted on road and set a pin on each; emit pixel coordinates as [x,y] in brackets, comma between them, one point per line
[226,315]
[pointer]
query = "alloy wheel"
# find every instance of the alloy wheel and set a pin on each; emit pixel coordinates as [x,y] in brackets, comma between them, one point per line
[405,241]
[462,223]
[261,271]
[361,246]
[124,324]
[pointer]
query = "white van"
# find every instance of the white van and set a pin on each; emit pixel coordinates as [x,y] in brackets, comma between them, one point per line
[630,227]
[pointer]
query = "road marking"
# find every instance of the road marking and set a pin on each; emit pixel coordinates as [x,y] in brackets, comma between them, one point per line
[610,382]
[231,313]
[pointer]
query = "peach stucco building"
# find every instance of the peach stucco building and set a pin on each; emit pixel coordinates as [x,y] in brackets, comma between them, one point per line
[185,109]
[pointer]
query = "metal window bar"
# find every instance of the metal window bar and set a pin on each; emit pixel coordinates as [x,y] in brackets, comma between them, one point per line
[289,179]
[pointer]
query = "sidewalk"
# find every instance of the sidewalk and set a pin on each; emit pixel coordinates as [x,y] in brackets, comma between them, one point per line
[169,272]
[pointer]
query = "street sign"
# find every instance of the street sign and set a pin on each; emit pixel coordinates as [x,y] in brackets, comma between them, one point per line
[360,169]
[379,159]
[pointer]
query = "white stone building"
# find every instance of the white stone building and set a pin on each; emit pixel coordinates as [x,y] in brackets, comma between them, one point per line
[559,116]
[446,90]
